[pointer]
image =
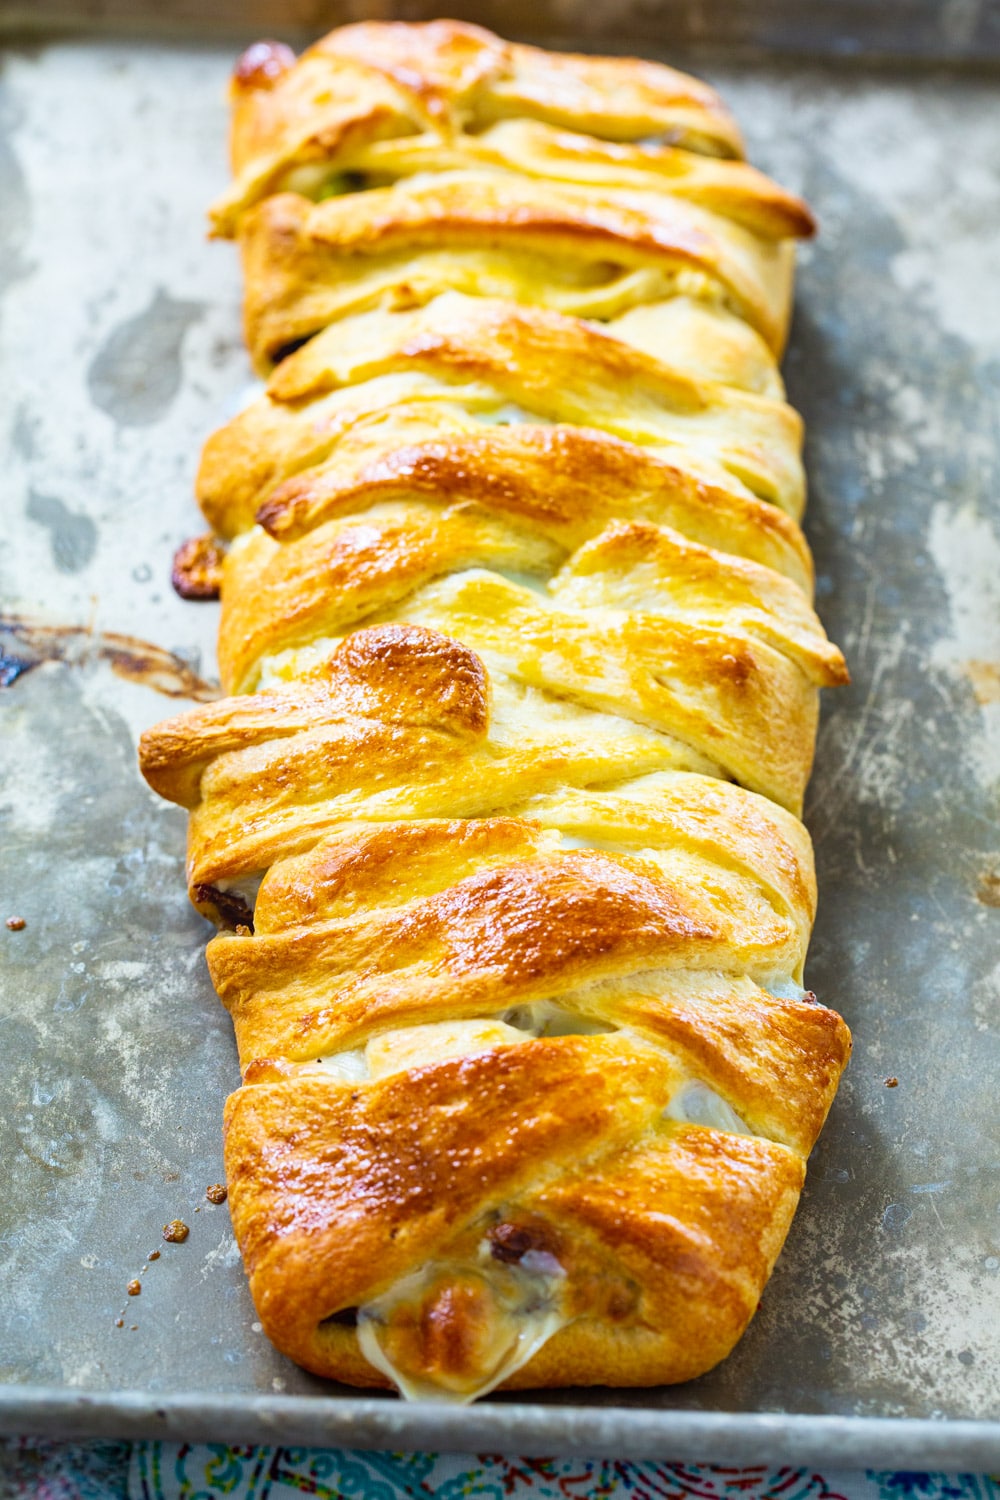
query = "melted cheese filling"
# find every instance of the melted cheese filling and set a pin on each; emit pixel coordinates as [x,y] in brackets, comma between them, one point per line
[346,1067]
[783,987]
[437,1041]
[317,181]
[696,1104]
[453,1333]
[548,1018]
[509,414]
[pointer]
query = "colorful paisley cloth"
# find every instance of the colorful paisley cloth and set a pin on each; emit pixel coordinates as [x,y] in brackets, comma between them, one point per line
[191,1471]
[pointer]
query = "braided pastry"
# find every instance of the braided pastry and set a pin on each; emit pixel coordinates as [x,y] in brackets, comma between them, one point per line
[500,823]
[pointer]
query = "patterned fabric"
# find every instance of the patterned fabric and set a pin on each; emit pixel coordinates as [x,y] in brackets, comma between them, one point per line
[165,1472]
[35,1470]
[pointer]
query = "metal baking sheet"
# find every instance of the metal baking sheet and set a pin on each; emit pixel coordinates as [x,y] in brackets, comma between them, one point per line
[878,1340]
[966,31]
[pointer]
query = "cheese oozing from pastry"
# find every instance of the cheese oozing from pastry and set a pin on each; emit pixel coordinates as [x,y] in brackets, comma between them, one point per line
[697,1104]
[419,1046]
[507,1312]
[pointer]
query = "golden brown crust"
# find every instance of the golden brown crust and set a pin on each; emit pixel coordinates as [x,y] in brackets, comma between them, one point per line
[445,84]
[561,481]
[588,251]
[337,1193]
[732,189]
[290,466]
[510,933]
[502,829]
[341,574]
[474,355]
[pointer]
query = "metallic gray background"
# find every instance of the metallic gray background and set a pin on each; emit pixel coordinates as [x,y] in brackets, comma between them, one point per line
[120,341]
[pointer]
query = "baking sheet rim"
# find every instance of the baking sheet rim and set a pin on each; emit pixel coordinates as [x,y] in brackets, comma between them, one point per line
[373,1423]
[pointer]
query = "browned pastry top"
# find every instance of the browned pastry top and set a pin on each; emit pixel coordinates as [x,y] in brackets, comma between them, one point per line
[584,251]
[500,825]
[378,83]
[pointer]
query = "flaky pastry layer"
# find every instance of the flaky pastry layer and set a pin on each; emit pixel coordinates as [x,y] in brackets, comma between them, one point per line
[446,84]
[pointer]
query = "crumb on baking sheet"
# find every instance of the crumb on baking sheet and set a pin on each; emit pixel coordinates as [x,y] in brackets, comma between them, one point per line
[176,1232]
[16,924]
[216,1192]
[134,1287]
[892,1082]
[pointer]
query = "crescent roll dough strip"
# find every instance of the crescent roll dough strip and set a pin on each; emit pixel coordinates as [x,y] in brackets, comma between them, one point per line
[499,823]
[348,571]
[593,252]
[493,361]
[449,84]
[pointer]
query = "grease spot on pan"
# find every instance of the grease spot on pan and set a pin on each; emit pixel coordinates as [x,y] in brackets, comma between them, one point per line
[15,219]
[26,644]
[24,429]
[896,1215]
[136,373]
[72,535]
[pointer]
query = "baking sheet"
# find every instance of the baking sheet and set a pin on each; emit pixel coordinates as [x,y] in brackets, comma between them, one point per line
[966,31]
[878,1339]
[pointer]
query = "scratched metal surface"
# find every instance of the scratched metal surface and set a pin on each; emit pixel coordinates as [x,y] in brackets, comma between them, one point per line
[121,349]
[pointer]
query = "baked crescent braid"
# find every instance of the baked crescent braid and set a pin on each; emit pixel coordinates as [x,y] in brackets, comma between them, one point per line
[500,825]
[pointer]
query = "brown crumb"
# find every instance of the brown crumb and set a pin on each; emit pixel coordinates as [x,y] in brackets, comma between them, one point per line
[216,1193]
[892,1083]
[176,1232]
[16,924]
[119,1322]
[133,1328]
[197,570]
[153,1255]
[134,1287]
[988,891]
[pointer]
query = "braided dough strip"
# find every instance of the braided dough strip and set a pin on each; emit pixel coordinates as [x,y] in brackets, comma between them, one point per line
[590,252]
[500,826]
[376,83]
